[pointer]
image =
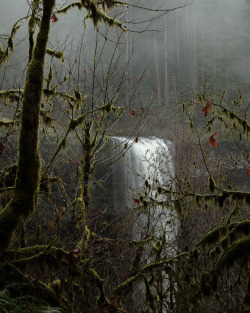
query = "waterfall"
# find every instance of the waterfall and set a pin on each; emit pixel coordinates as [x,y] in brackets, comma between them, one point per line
[145,165]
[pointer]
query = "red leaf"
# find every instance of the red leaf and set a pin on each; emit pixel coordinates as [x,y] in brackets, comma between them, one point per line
[248,172]
[206,108]
[2,146]
[143,110]
[212,141]
[41,290]
[136,139]
[86,71]
[54,18]
[41,231]
[75,220]
[133,113]
[77,162]
[75,61]
[75,251]
[73,255]
[61,210]
[136,201]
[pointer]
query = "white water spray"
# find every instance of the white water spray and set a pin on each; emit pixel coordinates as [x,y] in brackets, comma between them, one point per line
[146,164]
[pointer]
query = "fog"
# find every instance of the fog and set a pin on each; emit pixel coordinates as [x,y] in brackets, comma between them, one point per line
[203,38]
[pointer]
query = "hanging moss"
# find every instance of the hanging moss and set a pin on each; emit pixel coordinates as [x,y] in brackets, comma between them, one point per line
[211,237]
[78,95]
[211,184]
[4,54]
[56,54]
[149,295]
[241,227]
[77,4]
[205,287]
[239,250]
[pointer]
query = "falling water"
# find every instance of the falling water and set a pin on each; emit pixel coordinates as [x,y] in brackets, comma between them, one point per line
[144,165]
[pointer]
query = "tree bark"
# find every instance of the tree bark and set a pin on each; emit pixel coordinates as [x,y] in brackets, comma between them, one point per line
[24,199]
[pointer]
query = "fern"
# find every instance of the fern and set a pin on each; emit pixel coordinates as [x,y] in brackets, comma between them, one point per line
[24,304]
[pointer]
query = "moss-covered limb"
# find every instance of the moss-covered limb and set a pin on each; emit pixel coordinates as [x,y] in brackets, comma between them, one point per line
[100,284]
[47,119]
[235,118]
[7,189]
[149,295]
[56,54]
[11,95]
[48,291]
[94,13]
[241,227]
[87,165]
[72,126]
[219,198]
[31,29]
[4,54]
[24,200]
[60,146]
[80,119]
[75,4]
[66,96]
[27,255]
[239,250]
[6,123]
[146,269]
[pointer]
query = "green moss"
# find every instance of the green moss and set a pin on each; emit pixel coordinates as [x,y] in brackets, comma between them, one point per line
[56,54]
[77,4]
[211,237]
[24,200]
[224,242]
[239,250]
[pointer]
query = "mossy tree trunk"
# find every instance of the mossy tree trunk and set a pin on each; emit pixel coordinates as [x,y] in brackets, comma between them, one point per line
[24,199]
[87,168]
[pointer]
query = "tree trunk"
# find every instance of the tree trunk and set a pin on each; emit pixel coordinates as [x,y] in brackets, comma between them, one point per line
[24,199]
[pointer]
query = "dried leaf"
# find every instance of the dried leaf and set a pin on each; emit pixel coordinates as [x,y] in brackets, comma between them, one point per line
[133,112]
[207,108]
[212,141]
[54,18]
[136,201]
